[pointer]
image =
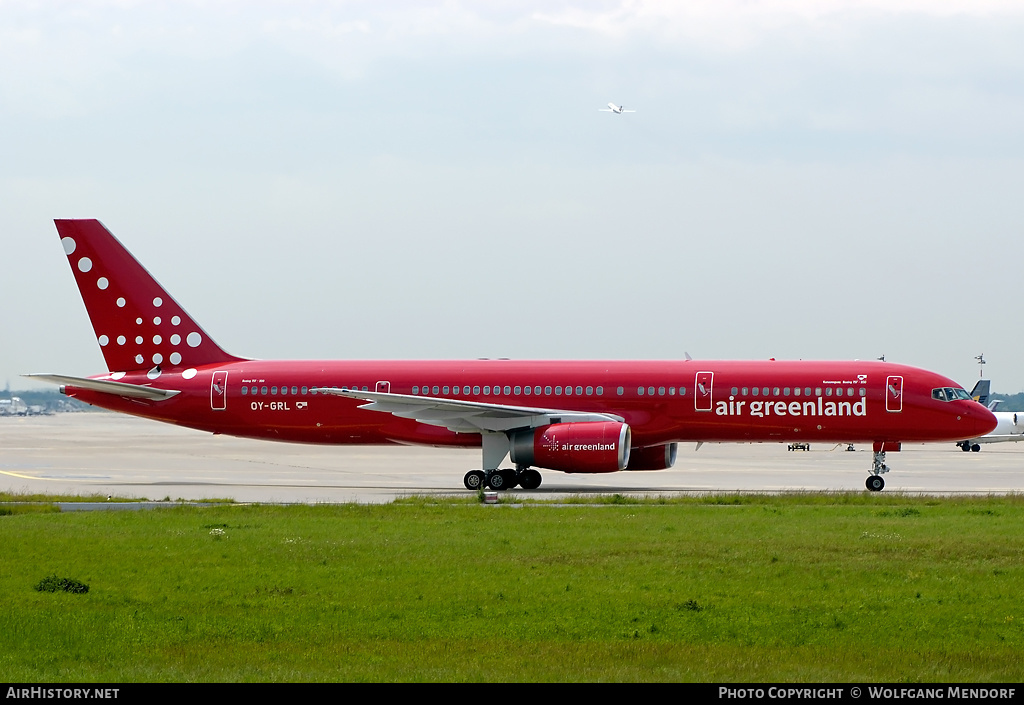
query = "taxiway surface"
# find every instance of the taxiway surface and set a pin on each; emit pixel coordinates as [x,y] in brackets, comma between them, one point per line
[105,453]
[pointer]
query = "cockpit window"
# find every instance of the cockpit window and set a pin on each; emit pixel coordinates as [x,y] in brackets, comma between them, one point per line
[949,393]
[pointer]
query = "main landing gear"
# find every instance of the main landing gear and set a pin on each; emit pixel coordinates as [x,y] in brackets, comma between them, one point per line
[968,446]
[506,479]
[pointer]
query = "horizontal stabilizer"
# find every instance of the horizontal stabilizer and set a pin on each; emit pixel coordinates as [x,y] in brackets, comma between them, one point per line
[121,389]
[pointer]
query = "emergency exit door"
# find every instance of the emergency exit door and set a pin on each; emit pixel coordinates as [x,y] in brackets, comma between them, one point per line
[702,391]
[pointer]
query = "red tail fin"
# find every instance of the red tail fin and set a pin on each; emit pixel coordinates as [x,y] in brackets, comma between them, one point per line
[138,325]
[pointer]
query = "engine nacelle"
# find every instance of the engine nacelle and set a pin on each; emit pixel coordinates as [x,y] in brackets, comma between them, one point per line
[587,446]
[653,457]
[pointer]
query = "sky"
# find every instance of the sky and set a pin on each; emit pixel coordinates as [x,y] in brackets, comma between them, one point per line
[405,180]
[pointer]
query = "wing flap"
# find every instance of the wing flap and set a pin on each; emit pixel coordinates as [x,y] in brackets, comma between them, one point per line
[463,416]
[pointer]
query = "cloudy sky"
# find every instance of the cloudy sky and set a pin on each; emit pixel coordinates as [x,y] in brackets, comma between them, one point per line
[828,179]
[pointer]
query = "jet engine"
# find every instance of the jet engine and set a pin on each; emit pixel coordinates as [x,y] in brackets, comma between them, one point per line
[653,457]
[587,446]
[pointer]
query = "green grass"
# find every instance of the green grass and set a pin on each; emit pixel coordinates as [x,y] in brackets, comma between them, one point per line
[799,587]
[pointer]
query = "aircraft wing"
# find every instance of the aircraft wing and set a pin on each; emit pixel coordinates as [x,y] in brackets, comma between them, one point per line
[1004,438]
[463,416]
[121,389]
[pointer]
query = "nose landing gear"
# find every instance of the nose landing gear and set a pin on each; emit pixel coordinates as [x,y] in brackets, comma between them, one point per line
[875,483]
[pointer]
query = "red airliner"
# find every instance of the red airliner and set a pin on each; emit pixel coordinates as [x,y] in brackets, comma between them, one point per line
[576,417]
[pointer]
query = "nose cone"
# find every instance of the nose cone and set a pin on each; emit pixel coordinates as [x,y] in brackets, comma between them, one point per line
[984,420]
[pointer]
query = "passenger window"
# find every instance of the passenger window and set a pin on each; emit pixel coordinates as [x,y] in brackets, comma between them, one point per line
[305,390]
[245,390]
[558,391]
[518,391]
[437,390]
[547,390]
[745,391]
[755,392]
[682,391]
[527,390]
[487,390]
[817,391]
[446,391]
[640,391]
[863,392]
[828,391]
[263,390]
[661,391]
[536,390]
[579,391]
[600,391]
[620,391]
[839,391]
[284,391]
[785,391]
[568,391]
[476,390]
[590,391]
[671,391]
[734,391]
[508,390]
[254,390]
[650,391]
[796,391]
[415,390]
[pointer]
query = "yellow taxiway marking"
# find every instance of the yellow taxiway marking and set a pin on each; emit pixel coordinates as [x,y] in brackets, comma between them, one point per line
[25,477]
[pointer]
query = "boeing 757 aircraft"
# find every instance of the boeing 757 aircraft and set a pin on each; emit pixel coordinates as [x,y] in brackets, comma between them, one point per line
[571,416]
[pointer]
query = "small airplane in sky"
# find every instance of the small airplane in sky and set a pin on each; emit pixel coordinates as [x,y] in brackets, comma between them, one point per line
[613,108]
[596,416]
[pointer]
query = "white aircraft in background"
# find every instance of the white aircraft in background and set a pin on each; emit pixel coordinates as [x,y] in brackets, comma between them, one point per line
[1010,423]
[613,108]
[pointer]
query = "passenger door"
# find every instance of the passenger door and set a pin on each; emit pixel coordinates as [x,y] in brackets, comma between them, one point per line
[894,393]
[219,391]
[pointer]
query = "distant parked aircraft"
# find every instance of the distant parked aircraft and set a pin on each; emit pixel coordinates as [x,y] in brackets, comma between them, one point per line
[613,108]
[1010,424]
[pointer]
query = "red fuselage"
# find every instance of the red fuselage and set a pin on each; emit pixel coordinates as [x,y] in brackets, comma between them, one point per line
[661,401]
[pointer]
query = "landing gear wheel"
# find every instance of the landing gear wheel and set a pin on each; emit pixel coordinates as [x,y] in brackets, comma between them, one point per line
[474,479]
[502,480]
[975,448]
[529,479]
[875,483]
[964,446]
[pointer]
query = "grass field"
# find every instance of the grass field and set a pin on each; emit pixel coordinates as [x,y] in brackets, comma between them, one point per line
[851,587]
